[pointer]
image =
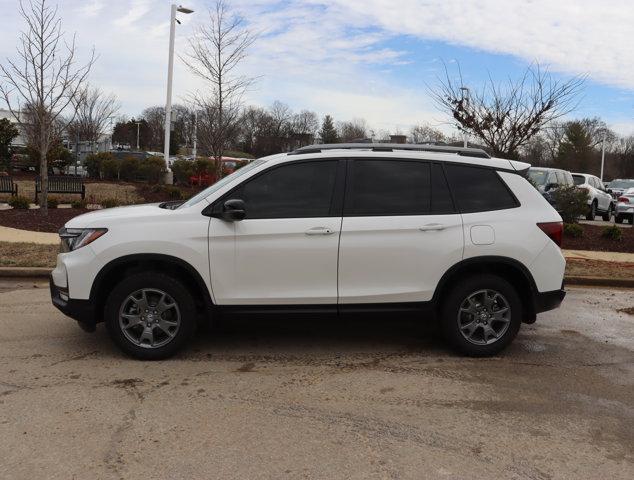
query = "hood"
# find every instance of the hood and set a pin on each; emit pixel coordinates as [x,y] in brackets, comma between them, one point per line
[108,216]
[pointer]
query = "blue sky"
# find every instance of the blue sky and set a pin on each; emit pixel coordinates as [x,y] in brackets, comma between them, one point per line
[367,59]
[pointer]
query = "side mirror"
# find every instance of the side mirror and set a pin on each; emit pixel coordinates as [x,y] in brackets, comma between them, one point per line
[234,210]
[550,186]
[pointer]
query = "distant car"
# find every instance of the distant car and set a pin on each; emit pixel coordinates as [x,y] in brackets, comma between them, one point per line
[599,200]
[618,186]
[625,207]
[548,180]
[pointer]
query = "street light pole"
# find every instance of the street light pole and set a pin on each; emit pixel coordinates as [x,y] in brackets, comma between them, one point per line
[603,155]
[195,149]
[465,97]
[170,73]
[138,129]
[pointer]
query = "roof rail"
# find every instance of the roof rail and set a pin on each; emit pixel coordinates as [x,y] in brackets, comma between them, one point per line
[390,147]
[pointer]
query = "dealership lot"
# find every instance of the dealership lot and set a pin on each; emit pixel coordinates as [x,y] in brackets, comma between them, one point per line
[319,398]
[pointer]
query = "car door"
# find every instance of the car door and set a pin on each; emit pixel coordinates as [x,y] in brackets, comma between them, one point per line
[400,231]
[285,249]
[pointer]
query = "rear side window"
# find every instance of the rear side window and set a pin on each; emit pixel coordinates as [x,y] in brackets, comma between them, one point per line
[479,189]
[388,187]
[579,179]
[300,190]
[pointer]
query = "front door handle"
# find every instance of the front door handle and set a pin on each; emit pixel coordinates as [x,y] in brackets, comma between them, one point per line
[432,226]
[320,231]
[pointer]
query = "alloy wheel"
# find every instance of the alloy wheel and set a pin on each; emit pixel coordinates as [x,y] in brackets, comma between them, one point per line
[484,317]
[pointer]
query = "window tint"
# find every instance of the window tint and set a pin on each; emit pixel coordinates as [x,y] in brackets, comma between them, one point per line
[290,191]
[388,187]
[478,189]
[579,179]
[441,201]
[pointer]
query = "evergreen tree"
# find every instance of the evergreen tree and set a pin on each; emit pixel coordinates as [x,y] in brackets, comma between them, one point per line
[328,132]
[8,132]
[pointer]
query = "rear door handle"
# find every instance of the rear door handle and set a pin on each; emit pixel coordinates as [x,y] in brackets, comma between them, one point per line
[320,231]
[432,226]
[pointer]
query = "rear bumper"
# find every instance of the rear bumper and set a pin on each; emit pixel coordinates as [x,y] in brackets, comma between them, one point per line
[80,310]
[545,301]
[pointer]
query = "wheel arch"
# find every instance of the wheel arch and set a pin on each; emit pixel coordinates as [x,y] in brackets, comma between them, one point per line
[508,268]
[107,277]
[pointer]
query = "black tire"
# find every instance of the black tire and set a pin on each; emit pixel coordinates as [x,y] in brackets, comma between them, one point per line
[618,218]
[152,282]
[592,211]
[607,216]
[451,316]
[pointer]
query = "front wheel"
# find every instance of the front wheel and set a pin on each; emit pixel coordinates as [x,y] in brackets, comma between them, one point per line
[481,315]
[618,218]
[150,316]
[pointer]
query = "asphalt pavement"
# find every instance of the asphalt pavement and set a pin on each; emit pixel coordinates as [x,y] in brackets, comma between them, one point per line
[322,398]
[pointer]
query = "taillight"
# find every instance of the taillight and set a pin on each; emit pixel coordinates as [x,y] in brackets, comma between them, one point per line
[554,230]
[623,200]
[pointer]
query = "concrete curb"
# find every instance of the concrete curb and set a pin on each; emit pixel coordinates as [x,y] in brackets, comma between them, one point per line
[43,273]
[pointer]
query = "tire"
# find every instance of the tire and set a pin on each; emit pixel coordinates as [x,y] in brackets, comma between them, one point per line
[618,218]
[607,216]
[154,335]
[453,315]
[592,211]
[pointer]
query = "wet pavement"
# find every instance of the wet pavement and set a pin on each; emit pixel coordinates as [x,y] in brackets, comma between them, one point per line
[319,397]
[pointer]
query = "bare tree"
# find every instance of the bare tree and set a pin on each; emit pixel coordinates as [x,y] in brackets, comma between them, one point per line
[505,116]
[426,133]
[43,80]
[94,110]
[357,129]
[155,118]
[216,50]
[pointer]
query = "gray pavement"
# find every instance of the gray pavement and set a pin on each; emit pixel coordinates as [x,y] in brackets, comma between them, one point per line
[319,398]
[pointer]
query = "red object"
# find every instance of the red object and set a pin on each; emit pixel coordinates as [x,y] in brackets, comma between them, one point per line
[624,200]
[554,230]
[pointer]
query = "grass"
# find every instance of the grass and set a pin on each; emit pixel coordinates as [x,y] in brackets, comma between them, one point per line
[27,255]
[124,193]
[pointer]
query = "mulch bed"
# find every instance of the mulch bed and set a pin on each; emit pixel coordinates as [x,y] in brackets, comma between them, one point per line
[592,240]
[33,220]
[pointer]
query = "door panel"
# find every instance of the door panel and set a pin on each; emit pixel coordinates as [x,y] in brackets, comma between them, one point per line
[274,261]
[396,259]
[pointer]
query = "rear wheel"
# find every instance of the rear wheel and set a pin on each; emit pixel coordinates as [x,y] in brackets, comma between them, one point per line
[150,316]
[618,218]
[481,315]
[607,216]
[592,211]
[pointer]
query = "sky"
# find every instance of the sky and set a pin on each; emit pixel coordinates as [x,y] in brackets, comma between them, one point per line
[371,59]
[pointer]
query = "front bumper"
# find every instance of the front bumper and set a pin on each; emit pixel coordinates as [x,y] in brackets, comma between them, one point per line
[545,301]
[80,310]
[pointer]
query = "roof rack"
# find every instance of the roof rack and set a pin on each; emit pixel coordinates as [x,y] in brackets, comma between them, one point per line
[390,147]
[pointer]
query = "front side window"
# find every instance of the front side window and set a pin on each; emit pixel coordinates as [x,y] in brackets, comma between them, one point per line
[388,187]
[298,190]
[478,189]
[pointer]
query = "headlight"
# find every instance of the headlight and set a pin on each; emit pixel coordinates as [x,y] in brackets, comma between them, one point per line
[74,238]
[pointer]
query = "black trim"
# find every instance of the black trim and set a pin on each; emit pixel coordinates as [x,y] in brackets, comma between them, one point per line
[545,301]
[80,310]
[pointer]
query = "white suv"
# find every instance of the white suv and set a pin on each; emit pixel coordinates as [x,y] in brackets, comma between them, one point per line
[599,200]
[444,231]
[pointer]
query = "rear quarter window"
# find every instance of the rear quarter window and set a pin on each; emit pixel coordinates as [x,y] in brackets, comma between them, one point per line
[478,189]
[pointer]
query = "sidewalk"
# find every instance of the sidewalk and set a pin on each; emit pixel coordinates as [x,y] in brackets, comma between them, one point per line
[602,256]
[14,235]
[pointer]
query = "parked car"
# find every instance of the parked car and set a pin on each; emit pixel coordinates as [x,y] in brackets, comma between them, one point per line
[625,207]
[599,200]
[445,231]
[620,185]
[548,180]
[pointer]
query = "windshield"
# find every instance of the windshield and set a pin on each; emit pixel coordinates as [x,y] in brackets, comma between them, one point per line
[538,176]
[621,184]
[579,179]
[221,183]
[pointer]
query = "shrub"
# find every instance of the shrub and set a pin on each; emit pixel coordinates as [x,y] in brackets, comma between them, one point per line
[110,169]
[129,168]
[52,202]
[21,203]
[612,233]
[573,230]
[173,192]
[152,169]
[78,204]
[93,163]
[572,202]
[183,169]
[109,203]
